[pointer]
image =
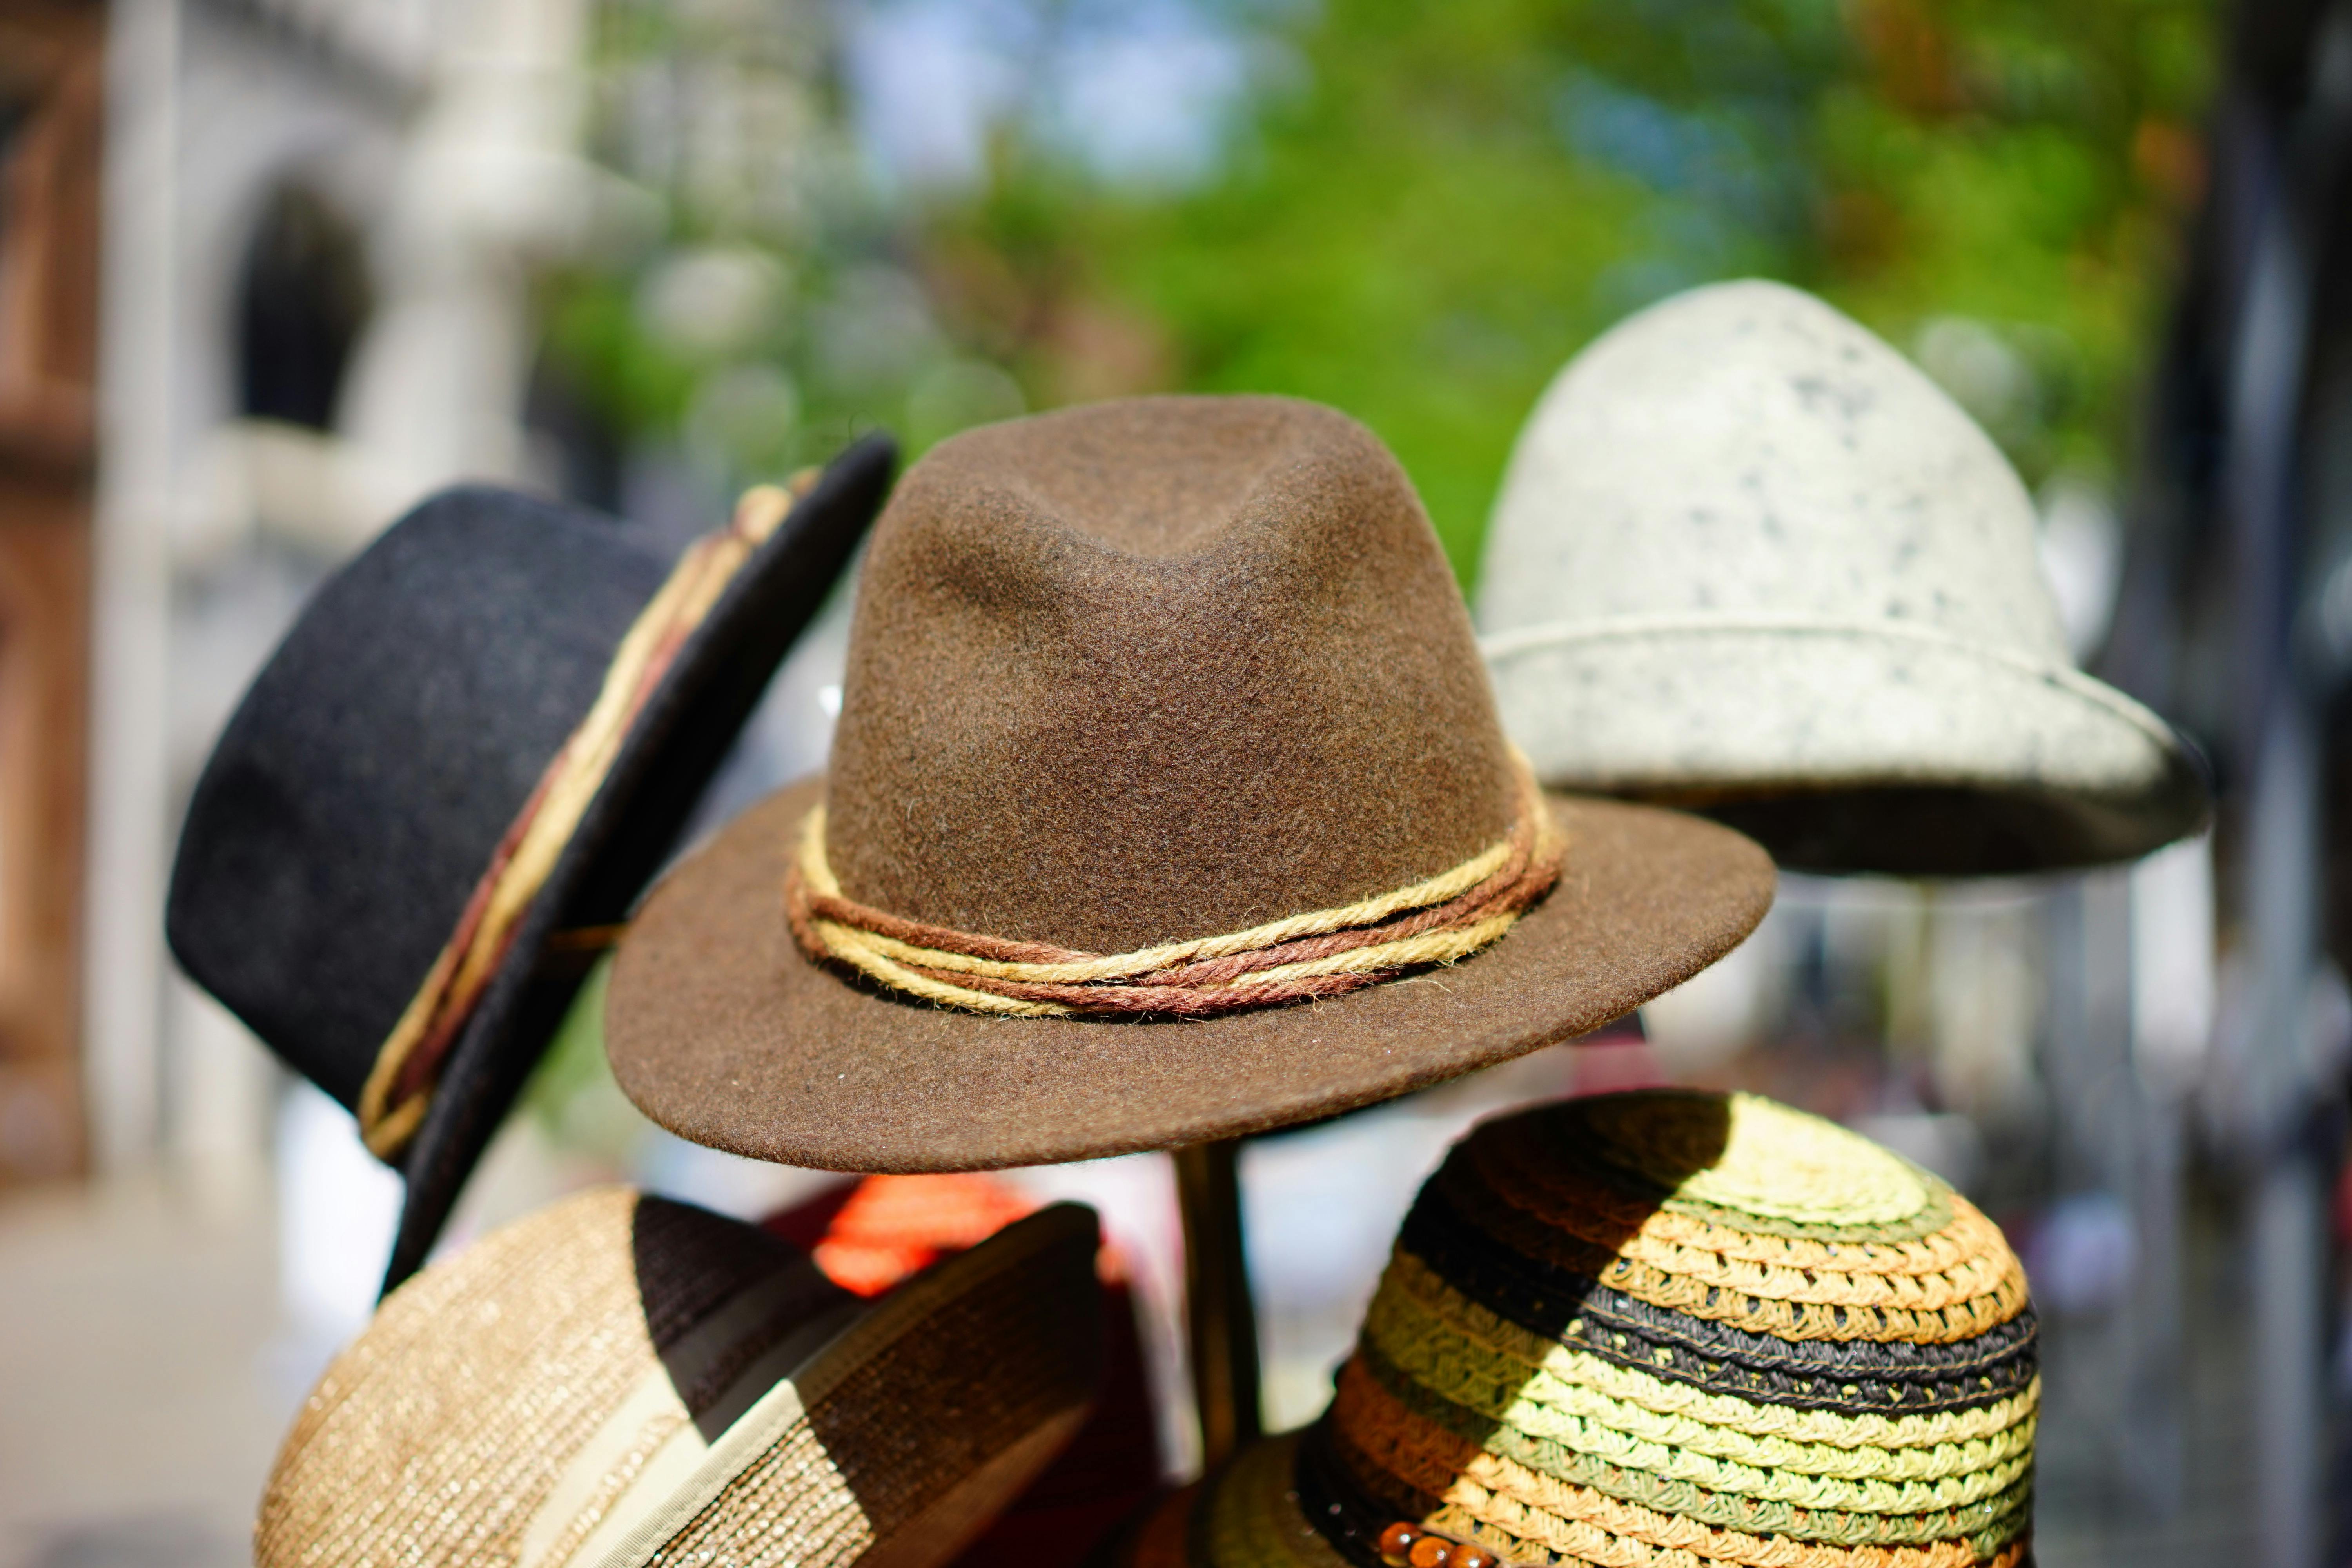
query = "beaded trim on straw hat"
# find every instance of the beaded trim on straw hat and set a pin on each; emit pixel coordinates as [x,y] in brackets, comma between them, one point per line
[1662,1329]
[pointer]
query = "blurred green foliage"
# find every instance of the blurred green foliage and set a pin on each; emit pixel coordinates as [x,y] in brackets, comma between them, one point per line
[1420,212]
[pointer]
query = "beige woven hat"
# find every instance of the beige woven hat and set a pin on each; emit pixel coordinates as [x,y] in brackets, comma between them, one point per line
[1747,559]
[621,1381]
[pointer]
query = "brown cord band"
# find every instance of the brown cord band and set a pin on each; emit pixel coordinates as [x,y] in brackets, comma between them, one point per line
[408,1064]
[1440,921]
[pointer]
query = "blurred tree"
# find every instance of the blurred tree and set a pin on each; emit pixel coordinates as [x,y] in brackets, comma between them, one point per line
[1417,212]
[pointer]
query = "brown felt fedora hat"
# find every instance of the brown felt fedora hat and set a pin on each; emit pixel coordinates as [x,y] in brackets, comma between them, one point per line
[1169,705]
[623,1381]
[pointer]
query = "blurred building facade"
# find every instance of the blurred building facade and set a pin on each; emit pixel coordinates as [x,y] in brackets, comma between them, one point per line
[323,224]
[341,234]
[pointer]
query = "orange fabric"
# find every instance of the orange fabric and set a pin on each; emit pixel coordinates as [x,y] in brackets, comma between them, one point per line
[893,1226]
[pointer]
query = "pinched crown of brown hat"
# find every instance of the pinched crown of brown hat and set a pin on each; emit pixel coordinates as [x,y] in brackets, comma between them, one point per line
[1163,718]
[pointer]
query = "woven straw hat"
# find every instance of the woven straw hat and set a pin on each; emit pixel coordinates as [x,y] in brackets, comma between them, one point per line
[1747,559]
[1653,1330]
[471,752]
[870,1233]
[619,1381]
[1163,718]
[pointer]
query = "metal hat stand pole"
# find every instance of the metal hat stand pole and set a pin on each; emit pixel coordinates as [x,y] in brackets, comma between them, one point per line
[1222,1321]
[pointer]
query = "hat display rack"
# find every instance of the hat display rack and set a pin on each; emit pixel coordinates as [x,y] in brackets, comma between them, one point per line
[1221,1312]
[1174,799]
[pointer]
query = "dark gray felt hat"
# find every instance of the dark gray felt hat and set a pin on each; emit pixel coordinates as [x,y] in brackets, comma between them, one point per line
[1148,699]
[365,803]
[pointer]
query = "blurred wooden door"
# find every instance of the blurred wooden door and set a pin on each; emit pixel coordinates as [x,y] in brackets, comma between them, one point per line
[51,86]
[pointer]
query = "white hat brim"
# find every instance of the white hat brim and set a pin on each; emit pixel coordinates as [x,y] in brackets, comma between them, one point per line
[1850,747]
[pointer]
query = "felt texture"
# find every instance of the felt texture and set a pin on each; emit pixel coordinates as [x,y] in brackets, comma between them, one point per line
[721,1030]
[351,803]
[358,793]
[1746,555]
[1154,669]
[1123,675]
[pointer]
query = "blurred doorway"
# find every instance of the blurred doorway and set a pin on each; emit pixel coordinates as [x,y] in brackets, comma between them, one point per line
[50,107]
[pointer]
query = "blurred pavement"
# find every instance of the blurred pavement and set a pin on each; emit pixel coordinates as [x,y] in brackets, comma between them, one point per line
[140,1344]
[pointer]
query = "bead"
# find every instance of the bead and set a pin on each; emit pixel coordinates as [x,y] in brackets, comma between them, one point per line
[1396,1542]
[1431,1551]
[1476,1557]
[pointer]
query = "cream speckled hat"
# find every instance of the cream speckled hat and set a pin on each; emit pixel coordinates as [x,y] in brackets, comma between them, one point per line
[620,1381]
[1749,559]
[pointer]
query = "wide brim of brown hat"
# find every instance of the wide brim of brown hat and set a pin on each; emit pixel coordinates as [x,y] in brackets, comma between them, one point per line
[721,1030]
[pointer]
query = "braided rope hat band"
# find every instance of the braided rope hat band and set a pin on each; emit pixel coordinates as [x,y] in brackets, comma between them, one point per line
[399,1088]
[1440,919]
[1660,1330]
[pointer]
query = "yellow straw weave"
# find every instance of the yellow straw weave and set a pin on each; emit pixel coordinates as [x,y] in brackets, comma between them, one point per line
[1424,1452]
[1953,1285]
[1413,1294]
[1664,1329]
[1780,1164]
[1718,1456]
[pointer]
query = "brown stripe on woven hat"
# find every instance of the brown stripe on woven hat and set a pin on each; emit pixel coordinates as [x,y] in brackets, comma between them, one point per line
[617,1380]
[1163,719]
[1656,1329]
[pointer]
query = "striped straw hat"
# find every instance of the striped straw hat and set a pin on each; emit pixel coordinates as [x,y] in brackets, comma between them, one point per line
[1664,1328]
[619,1381]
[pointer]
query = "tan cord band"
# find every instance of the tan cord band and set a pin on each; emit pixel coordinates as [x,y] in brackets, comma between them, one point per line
[408,1064]
[1448,917]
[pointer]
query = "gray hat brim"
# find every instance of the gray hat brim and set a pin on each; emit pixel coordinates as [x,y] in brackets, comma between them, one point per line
[1844,747]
